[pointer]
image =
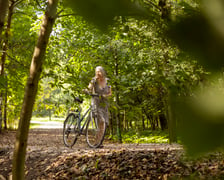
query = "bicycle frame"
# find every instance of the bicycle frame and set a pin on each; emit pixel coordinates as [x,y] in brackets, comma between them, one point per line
[81,118]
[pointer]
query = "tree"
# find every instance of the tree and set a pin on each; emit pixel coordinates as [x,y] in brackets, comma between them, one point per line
[3,12]
[3,94]
[31,89]
[22,36]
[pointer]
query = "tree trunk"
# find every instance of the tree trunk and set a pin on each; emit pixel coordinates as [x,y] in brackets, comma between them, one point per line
[4,4]
[163,121]
[31,90]
[1,102]
[111,123]
[3,12]
[49,114]
[143,120]
[125,121]
[119,137]
[5,42]
[171,120]
[130,124]
[165,9]
[5,106]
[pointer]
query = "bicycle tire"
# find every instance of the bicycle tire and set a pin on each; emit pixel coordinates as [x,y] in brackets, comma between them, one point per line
[95,130]
[70,130]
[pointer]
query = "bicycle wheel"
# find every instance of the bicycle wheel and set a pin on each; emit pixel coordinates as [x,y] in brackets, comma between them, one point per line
[70,130]
[96,128]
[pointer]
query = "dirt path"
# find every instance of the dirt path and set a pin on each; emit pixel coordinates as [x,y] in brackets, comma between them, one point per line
[48,158]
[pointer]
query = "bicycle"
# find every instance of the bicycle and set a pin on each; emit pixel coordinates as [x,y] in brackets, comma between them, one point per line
[75,122]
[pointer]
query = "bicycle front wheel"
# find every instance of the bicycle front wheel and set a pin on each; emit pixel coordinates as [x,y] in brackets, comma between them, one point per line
[70,130]
[96,128]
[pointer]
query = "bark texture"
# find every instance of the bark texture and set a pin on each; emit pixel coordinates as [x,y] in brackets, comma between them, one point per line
[3,12]
[4,48]
[4,4]
[31,90]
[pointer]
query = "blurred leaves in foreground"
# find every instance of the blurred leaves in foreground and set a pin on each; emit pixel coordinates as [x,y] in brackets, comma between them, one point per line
[102,13]
[201,33]
[201,119]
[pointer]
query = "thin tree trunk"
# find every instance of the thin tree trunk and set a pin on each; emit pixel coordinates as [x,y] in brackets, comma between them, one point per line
[130,124]
[171,120]
[31,90]
[3,59]
[143,120]
[125,121]
[3,12]
[5,106]
[1,102]
[111,123]
[4,4]
[6,42]
[163,121]
[117,102]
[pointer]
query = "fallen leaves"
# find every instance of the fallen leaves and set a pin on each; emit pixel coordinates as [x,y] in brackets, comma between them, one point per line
[131,164]
[49,159]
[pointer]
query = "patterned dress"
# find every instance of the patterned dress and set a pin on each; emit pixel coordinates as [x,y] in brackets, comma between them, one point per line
[101,102]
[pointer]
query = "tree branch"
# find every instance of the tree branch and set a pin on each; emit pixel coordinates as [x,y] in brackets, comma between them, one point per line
[38,4]
[17,2]
[72,14]
[151,3]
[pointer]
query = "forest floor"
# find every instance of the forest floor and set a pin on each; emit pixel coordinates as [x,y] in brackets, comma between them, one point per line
[48,158]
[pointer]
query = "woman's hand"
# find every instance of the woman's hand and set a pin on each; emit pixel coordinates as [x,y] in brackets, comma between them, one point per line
[86,91]
[107,95]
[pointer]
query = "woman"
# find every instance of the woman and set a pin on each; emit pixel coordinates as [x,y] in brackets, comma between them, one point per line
[98,85]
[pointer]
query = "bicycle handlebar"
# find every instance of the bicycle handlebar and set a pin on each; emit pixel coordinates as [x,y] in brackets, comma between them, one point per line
[93,95]
[77,99]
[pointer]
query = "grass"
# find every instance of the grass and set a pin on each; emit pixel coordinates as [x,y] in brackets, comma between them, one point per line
[131,136]
[145,136]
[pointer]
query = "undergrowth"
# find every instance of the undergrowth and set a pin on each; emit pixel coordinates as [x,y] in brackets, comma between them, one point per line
[145,136]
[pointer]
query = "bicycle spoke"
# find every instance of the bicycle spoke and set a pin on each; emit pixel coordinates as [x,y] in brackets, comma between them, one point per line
[70,130]
[95,131]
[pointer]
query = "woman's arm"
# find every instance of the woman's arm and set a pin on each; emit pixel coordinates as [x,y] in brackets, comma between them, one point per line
[91,86]
[109,93]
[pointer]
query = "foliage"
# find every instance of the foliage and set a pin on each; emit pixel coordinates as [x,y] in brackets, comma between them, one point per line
[133,46]
[147,55]
[146,136]
[104,13]
[18,61]
[199,34]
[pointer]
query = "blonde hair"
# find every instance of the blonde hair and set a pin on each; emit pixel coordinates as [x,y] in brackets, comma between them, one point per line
[101,69]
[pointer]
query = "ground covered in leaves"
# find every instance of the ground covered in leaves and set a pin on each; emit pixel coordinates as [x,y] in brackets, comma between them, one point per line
[48,158]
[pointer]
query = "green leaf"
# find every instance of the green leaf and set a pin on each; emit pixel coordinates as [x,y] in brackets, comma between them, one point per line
[196,35]
[200,131]
[102,13]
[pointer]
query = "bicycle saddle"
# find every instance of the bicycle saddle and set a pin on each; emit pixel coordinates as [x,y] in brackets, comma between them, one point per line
[78,99]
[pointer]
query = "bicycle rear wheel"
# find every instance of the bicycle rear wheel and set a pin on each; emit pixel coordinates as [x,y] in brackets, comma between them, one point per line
[70,130]
[96,128]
